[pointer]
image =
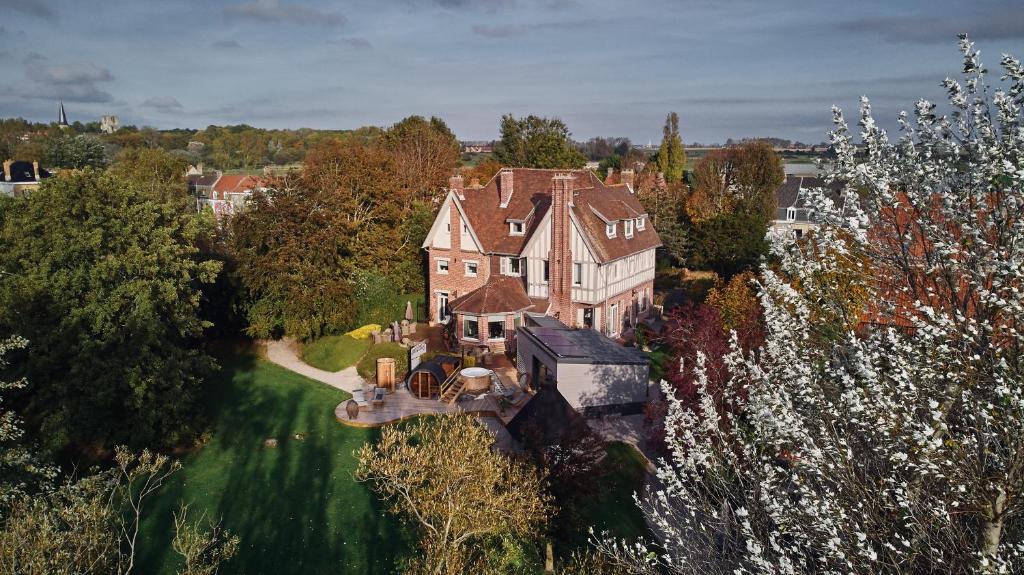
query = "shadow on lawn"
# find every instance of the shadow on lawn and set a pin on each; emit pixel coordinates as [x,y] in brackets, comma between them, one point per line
[295,507]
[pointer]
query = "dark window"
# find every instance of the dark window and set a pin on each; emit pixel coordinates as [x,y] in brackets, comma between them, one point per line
[588,317]
[513,266]
[470,328]
[496,329]
[546,270]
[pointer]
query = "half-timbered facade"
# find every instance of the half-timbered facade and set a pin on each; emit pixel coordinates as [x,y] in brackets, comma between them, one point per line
[554,242]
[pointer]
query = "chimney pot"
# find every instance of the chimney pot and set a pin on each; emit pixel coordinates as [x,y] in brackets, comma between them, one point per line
[507,185]
[455,185]
[474,183]
[611,172]
[628,178]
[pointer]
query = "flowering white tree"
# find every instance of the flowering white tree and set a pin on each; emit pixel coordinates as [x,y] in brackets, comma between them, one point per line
[896,446]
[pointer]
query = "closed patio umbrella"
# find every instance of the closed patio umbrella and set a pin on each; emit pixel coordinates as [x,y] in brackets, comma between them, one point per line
[408,312]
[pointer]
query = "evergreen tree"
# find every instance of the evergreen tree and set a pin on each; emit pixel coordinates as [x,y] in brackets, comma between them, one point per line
[672,154]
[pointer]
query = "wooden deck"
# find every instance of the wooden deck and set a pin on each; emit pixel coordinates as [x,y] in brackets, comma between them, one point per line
[402,405]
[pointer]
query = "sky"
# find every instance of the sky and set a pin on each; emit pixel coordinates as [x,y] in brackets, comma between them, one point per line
[729,68]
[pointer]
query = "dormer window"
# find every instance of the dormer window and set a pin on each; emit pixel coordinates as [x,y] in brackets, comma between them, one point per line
[516,228]
[641,222]
[628,224]
[610,230]
[791,214]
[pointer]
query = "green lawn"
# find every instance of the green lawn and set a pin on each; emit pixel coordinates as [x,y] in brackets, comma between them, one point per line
[295,507]
[614,509]
[334,352]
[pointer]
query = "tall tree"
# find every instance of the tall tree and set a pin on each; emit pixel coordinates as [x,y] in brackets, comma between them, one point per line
[740,179]
[425,152]
[74,152]
[160,175]
[106,285]
[898,448]
[300,244]
[535,142]
[457,504]
[672,154]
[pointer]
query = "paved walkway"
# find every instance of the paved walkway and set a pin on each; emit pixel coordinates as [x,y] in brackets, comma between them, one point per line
[285,353]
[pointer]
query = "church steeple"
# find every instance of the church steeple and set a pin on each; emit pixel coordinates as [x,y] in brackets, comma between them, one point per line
[62,118]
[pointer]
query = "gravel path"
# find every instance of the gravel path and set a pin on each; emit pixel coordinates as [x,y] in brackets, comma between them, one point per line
[284,353]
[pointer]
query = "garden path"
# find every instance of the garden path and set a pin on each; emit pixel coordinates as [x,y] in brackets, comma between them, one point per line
[284,352]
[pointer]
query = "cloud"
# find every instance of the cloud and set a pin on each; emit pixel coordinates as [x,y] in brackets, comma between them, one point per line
[168,104]
[989,24]
[37,8]
[278,12]
[75,82]
[357,43]
[226,45]
[499,31]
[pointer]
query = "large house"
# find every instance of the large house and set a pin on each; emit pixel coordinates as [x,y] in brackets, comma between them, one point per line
[224,194]
[529,241]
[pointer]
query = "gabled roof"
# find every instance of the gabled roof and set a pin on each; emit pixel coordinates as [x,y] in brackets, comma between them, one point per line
[790,195]
[202,179]
[235,184]
[531,200]
[501,294]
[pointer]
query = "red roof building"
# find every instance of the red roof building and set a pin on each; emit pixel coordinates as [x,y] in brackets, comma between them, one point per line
[555,242]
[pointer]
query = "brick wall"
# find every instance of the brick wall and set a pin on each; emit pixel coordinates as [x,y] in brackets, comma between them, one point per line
[456,282]
[625,301]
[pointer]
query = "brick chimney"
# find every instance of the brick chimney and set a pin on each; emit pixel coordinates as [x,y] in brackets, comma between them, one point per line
[611,174]
[627,178]
[35,170]
[7,170]
[560,256]
[455,185]
[505,186]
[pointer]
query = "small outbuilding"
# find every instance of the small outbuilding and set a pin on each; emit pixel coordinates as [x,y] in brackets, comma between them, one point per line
[426,379]
[593,373]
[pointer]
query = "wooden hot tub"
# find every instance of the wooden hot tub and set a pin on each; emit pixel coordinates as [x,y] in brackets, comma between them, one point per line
[475,380]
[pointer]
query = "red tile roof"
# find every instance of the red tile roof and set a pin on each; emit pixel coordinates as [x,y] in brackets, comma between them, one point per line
[236,183]
[531,198]
[501,294]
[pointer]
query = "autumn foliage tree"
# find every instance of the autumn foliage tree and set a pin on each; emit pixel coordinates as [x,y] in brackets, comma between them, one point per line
[535,142]
[441,474]
[424,153]
[740,179]
[896,446]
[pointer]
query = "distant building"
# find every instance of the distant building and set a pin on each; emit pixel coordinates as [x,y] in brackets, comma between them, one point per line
[109,124]
[21,177]
[62,118]
[224,194]
[793,215]
[477,147]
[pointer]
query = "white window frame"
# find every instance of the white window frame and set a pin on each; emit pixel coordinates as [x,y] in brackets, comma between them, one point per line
[447,266]
[613,320]
[442,307]
[476,268]
[641,223]
[628,228]
[512,228]
[611,230]
[577,274]
[506,266]
[791,214]
[504,328]
[467,318]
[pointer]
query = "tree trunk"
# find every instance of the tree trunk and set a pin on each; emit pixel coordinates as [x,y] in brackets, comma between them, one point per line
[992,526]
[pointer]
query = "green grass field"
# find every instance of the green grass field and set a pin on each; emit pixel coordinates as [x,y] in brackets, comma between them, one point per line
[334,352]
[614,510]
[295,507]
